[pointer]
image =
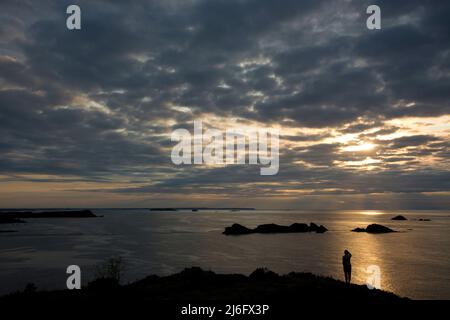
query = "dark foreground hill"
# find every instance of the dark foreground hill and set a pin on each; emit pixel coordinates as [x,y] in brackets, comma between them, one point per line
[291,296]
[195,284]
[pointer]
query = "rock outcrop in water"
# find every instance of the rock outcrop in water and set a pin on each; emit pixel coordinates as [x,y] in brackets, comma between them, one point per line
[47,214]
[399,217]
[374,228]
[237,229]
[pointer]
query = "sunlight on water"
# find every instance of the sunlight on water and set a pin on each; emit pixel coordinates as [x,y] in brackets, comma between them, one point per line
[370,250]
[371,213]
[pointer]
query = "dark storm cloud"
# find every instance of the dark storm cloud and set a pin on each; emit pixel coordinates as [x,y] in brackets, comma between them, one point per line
[199,46]
[304,137]
[359,127]
[96,103]
[412,141]
[318,154]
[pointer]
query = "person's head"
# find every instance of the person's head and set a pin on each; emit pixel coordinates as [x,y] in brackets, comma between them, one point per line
[346,252]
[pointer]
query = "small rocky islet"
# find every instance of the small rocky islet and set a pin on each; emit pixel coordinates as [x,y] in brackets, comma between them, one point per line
[374,228]
[238,229]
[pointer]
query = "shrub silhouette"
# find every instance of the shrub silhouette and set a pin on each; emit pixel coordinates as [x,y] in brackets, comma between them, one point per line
[109,274]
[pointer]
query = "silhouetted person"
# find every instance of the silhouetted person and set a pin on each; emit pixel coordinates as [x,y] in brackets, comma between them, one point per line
[347,266]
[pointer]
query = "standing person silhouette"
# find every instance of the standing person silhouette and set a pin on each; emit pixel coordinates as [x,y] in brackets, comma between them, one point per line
[347,266]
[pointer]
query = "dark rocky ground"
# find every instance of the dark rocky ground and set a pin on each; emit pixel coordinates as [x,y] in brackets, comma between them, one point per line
[291,296]
[195,284]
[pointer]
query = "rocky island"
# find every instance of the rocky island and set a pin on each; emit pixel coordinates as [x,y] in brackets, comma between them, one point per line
[374,228]
[237,229]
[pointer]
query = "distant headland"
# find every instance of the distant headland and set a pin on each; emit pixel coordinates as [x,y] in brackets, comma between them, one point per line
[16,216]
[200,209]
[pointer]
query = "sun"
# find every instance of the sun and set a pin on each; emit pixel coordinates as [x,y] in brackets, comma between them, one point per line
[365,146]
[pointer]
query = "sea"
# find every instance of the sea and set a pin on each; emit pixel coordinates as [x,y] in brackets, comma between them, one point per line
[413,262]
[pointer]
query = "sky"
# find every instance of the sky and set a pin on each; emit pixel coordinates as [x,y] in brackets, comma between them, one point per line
[86,115]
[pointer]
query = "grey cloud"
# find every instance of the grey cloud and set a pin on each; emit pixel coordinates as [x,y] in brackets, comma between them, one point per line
[412,141]
[139,59]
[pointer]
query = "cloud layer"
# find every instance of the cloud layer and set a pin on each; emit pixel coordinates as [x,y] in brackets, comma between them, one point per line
[361,112]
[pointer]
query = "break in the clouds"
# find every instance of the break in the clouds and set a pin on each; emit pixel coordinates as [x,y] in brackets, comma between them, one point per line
[86,116]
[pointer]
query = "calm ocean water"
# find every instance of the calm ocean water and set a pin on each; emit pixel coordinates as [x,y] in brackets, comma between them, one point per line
[414,262]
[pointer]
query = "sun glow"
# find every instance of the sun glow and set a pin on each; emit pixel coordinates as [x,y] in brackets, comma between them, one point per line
[371,213]
[366,146]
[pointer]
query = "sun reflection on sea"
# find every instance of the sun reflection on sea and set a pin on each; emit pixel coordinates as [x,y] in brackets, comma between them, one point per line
[369,250]
[371,212]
